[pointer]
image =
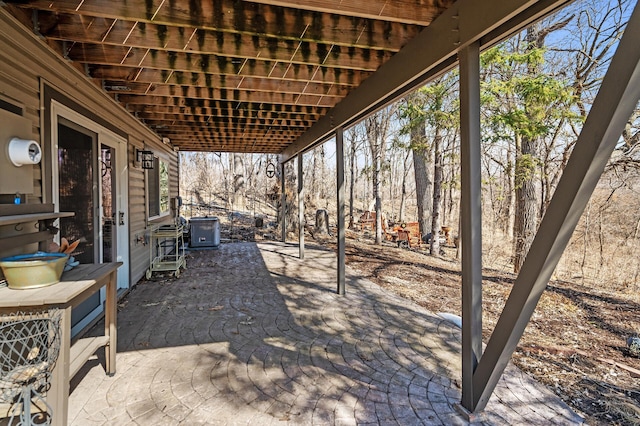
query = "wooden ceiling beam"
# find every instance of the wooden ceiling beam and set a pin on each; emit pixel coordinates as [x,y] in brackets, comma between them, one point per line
[222,104]
[227,143]
[220,146]
[219,114]
[181,123]
[222,94]
[413,12]
[211,64]
[243,17]
[249,136]
[202,130]
[155,119]
[262,149]
[104,31]
[198,79]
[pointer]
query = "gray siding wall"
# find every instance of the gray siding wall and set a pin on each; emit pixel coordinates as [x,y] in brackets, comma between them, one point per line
[26,66]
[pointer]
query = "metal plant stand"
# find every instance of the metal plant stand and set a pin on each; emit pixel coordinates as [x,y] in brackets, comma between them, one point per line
[29,348]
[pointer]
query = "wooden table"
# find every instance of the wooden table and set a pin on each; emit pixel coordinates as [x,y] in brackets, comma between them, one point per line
[75,286]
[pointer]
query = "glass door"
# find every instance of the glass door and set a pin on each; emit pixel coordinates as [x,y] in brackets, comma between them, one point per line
[90,178]
[77,192]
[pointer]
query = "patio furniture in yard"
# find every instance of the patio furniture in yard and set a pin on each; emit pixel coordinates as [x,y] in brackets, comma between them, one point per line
[29,347]
[409,235]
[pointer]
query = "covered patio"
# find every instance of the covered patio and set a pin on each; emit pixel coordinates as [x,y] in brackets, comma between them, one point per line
[251,334]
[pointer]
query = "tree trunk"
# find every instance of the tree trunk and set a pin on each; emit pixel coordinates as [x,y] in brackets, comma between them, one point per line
[238,182]
[315,202]
[527,158]
[403,194]
[352,180]
[434,246]
[376,127]
[511,199]
[424,186]
[526,214]
[377,195]
[291,207]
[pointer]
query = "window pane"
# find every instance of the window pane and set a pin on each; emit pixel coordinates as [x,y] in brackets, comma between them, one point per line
[158,187]
[164,186]
[153,186]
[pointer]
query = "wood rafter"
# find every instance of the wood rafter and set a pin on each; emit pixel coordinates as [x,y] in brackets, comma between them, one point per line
[116,32]
[178,121]
[245,17]
[191,92]
[231,82]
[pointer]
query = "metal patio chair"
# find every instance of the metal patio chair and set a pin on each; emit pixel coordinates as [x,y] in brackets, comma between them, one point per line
[29,348]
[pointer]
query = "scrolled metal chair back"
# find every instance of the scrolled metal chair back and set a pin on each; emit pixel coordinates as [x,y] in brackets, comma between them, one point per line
[29,348]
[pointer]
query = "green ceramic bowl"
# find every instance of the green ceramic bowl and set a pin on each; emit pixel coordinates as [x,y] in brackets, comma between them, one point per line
[33,270]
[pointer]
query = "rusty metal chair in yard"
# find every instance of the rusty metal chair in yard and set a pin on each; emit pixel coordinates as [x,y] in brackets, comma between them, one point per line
[409,235]
[367,221]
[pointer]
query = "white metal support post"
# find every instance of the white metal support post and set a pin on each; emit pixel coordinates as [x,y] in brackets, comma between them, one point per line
[341,203]
[301,221]
[617,98]
[283,204]
[471,217]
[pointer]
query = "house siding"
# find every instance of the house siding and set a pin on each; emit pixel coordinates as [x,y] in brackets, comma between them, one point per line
[27,67]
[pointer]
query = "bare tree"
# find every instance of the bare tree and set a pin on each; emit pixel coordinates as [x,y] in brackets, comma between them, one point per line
[413,111]
[377,130]
[353,142]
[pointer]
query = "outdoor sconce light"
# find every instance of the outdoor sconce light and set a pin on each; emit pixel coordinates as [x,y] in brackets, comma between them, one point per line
[145,158]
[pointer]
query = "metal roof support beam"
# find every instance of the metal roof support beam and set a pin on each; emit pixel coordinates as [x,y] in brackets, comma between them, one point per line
[283,204]
[471,217]
[300,208]
[617,98]
[430,53]
[341,204]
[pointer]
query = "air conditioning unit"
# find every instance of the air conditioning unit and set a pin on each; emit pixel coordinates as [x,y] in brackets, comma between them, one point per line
[204,232]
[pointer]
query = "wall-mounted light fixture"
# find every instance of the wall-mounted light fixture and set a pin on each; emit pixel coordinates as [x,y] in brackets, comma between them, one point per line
[145,158]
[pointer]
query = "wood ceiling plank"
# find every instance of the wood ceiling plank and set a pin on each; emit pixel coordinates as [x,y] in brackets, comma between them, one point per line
[184,122]
[189,130]
[97,30]
[244,17]
[420,12]
[197,79]
[223,114]
[227,143]
[268,149]
[154,119]
[229,137]
[191,92]
[210,64]
[249,146]
[222,133]
[221,104]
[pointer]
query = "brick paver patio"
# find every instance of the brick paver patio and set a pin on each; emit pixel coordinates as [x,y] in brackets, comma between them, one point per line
[250,334]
